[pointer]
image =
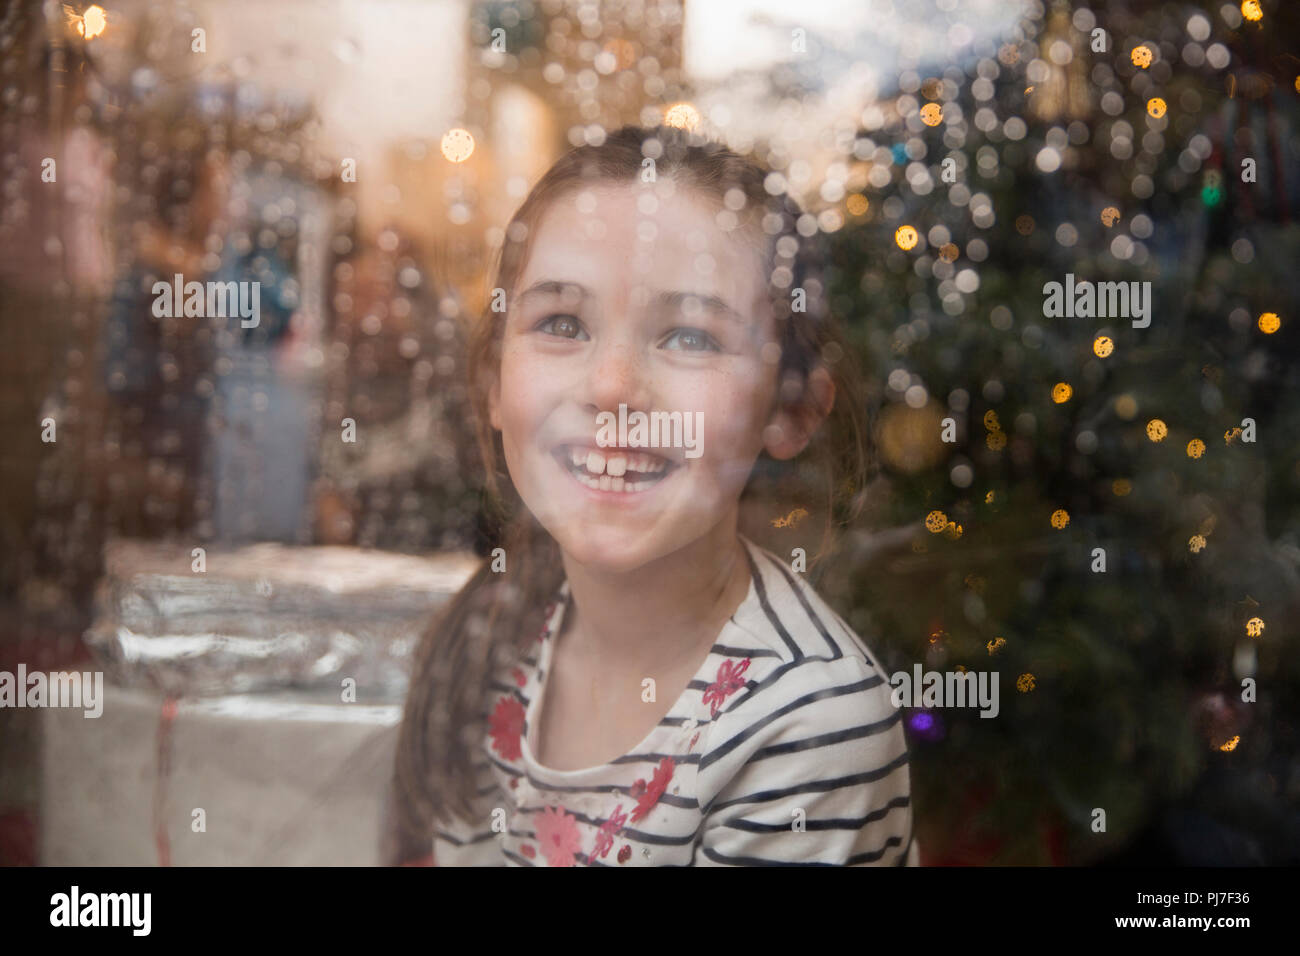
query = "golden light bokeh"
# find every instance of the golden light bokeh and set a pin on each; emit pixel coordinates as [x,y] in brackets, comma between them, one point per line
[1109,216]
[996,645]
[1195,448]
[906,237]
[989,497]
[1102,346]
[92,22]
[1060,518]
[996,438]
[1156,107]
[1196,544]
[1121,487]
[1230,745]
[1008,54]
[1251,10]
[1141,56]
[682,115]
[1269,323]
[1255,627]
[1025,225]
[953,530]
[857,204]
[790,520]
[949,252]
[908,439]
[1157,430]
[931,114]
[1231,434]
[935,522]
[457,145]
[1061,392]
[1126,406]
[1025,683]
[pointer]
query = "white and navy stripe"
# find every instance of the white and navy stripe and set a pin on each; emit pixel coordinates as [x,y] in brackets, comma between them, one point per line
[804,762]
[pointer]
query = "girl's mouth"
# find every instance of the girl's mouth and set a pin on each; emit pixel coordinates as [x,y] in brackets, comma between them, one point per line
[623,470]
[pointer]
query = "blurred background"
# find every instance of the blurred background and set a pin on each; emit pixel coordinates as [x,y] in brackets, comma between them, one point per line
[246,528]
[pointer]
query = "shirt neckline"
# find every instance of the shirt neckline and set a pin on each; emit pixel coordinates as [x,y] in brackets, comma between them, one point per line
[540,771]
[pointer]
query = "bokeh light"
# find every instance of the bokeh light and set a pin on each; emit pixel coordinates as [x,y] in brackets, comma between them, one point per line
[682,115]
[457,145]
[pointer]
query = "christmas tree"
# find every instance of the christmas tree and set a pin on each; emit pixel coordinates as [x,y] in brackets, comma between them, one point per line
[1102,508]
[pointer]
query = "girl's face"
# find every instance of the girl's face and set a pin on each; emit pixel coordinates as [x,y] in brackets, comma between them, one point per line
[633,298]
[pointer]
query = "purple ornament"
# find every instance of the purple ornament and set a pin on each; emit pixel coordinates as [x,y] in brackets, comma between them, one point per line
[926,725]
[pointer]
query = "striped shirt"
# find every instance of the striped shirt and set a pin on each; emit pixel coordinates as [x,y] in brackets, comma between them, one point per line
[784,749]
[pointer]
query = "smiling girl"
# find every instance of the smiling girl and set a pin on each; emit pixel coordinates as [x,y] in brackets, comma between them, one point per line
[642,684]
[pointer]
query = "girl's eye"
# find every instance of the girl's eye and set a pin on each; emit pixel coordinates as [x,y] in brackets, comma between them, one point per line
[691,340]
[565,326]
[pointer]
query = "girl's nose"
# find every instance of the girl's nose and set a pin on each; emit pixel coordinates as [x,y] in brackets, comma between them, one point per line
[617,376]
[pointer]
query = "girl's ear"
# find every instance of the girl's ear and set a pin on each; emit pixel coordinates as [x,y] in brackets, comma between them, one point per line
[792,426]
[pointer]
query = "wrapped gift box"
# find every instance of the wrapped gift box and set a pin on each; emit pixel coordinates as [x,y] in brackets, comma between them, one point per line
[265,616]
[284,779]
[225,693]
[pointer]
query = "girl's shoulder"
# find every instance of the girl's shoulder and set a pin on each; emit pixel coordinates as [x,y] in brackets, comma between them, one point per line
[786,618]
[793,660]
[811,731]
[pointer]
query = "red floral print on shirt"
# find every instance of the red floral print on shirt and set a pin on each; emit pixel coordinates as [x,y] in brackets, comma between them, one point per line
[651,792]
[608,830]
[726,683]
[557,832]
[506,727]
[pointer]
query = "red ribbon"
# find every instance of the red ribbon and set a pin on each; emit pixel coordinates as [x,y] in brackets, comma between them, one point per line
[162,842]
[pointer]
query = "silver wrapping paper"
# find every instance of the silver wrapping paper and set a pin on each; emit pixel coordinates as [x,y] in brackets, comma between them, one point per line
[285,778]
[267,616]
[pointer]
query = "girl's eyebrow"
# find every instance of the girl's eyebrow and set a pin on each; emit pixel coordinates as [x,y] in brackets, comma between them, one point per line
[672,300]
[678,300]
[553,287]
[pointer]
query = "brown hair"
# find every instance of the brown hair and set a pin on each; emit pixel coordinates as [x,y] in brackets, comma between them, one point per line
[491,623]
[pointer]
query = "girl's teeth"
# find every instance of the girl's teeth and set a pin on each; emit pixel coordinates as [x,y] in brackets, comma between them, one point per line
[645,464]
[595,470]
[609,481]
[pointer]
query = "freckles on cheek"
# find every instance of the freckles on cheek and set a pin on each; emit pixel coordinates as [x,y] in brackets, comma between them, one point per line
[517,377]
[734,421]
